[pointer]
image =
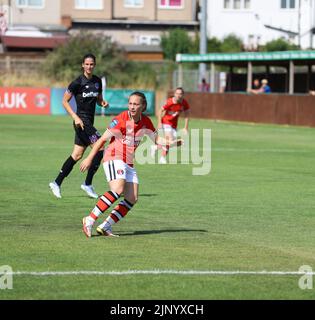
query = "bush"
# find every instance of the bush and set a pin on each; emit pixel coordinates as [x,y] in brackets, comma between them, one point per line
[176,41]
[279,45]
[64,63]
[232,43]
[214,45]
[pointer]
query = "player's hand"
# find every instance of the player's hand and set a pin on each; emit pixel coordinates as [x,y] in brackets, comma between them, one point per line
[79,123]
[85,164]
[104,104]
[185,131]
[178,142]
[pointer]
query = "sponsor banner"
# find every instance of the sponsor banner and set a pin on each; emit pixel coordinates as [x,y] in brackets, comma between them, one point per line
[118,101]
[20,100]
[56,107]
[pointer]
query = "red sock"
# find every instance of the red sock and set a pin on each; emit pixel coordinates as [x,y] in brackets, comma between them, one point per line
[119,212]
[165,151]
[104,202]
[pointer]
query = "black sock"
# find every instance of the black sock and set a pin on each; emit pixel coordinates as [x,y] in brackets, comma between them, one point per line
[93,168]
[65,170]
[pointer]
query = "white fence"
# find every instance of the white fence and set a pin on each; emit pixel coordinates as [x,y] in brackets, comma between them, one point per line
[191,80]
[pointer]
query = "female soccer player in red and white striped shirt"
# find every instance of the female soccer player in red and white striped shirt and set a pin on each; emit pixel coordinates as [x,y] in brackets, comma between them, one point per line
[125,133]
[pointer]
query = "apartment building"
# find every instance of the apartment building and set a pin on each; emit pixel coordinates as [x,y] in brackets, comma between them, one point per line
[258,22]
[136,22]
[128,22]
[41,13]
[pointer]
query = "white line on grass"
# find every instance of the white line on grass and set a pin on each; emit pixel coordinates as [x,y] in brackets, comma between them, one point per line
[223,149]
[260,150]
[157,272]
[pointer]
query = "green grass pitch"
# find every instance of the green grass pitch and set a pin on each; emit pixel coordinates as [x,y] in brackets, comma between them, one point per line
[255,211]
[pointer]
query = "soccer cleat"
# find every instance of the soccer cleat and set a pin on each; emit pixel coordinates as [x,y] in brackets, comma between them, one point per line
[162,160]
[107,233]
[87,227]
[89,190]
[153,150]
[55,189]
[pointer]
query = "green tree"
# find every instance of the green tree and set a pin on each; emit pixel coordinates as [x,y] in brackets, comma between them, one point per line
[63,64]
[176,41]
[279,45]
[232,43]
[214,45]
[195,43]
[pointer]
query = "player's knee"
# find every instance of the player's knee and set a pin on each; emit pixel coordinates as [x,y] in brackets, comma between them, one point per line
[76,156]
[118,190]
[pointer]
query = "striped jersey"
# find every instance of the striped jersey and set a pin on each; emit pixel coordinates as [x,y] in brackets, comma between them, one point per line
[127,136]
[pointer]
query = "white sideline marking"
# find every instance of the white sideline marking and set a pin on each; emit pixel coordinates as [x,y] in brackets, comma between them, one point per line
[223,149]
[260,150]
[157,272]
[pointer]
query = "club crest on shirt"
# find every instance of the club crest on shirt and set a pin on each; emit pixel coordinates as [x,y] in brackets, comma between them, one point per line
[120,172]
[97,85]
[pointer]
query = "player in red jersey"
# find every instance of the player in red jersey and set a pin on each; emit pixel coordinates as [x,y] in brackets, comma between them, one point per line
[168,120]
[125,133]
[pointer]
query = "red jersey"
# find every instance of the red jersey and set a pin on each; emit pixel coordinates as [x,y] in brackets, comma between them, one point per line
[127,136]
[172,111]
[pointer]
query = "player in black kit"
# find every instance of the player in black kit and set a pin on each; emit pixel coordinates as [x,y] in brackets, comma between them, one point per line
[87,90]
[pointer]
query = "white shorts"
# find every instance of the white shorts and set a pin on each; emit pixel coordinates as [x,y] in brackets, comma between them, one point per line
[169,130]
[118,169]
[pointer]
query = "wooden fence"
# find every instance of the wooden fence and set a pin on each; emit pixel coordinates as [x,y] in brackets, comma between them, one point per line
[263,108]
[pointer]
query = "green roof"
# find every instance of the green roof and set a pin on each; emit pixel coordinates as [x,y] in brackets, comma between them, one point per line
[247,56]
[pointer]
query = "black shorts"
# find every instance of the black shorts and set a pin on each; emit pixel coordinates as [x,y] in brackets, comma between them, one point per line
[87,136]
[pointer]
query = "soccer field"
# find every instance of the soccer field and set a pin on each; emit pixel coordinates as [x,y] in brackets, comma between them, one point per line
[254,212]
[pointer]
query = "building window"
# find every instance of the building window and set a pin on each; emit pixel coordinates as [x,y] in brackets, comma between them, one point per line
[133,3]
[247,4]
[237,4]
[149,40]
[89,4]
[171,4]
[227,4]
[36,4]
[287,4]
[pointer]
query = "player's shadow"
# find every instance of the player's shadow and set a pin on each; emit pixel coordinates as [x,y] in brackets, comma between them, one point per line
[148,232]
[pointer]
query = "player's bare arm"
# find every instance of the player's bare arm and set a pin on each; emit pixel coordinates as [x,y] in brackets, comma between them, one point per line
[101,102]
[160,116]
[186,115]
[167,142]
[65,102]
[86,163]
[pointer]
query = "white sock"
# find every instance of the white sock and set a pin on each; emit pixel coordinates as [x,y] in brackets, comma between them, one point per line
[90,220]
[105,225]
